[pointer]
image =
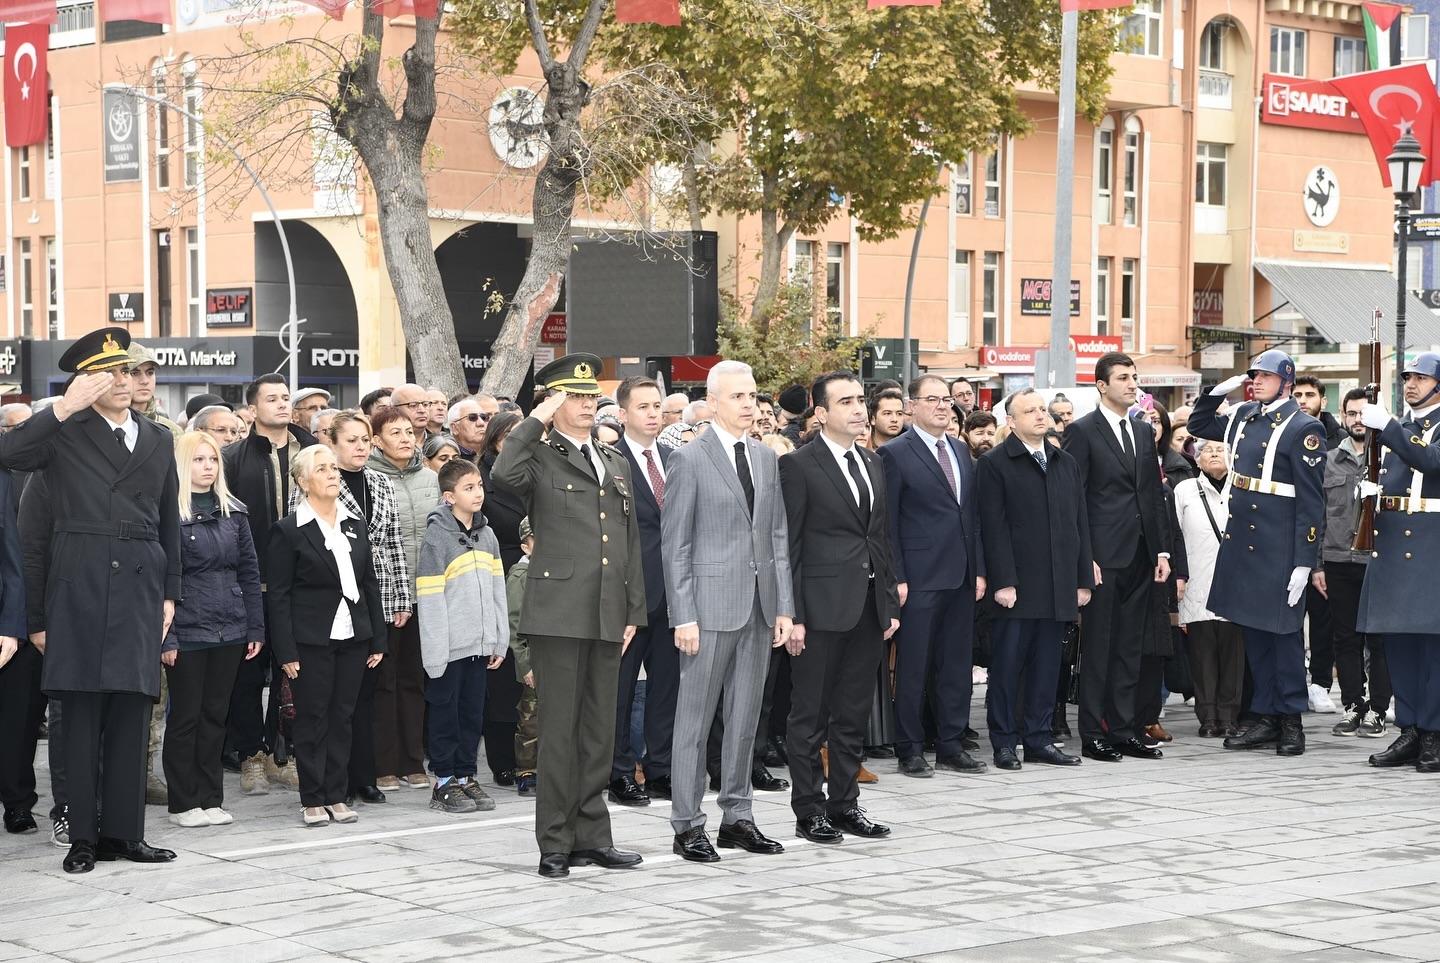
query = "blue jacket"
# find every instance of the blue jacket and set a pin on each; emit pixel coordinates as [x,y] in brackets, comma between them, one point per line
[221,581]
[936,541]
[1399,574]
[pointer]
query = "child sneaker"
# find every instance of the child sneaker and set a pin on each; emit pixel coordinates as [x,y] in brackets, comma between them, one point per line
[471,788]
[451,798]
[526,784]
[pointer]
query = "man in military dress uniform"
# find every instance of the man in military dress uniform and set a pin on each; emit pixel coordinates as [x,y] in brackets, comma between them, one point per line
[1276,489]
[1400,575]
[110,596]
[584,596]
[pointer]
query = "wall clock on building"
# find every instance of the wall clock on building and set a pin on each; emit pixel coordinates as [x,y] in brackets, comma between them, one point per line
[1321,196]
[517,129]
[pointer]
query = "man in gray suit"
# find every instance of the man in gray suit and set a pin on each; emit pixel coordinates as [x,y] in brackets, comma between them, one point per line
[727,578]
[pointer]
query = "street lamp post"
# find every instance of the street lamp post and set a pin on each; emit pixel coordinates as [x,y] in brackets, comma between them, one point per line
[1405,162]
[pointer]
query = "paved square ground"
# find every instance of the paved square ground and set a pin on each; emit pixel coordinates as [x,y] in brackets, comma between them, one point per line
[1206,856]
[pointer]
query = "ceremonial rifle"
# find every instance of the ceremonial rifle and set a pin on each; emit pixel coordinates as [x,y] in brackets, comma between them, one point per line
[1365,530]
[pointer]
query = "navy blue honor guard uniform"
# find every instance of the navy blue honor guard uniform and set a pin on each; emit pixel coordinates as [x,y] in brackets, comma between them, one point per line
[1400,574]
[1276,489]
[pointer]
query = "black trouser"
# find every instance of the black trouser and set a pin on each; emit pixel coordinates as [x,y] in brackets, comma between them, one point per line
[935,644]
[55,751]
[107,742]
[833,679]
[325,692]
[398,705]
[1112,634]
[653,647]
[1030,647]
[1217,665]
[457,714]
[22,706]
[1343,581]
[503,693]
[200,684]
[362,734]
[1322,638]
[1147,691]
[775,707]
[253,727]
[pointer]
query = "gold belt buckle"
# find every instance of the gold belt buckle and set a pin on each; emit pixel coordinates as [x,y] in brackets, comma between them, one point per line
[1242,483]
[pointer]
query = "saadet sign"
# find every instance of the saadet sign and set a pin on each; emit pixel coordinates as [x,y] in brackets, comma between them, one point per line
[1314,104]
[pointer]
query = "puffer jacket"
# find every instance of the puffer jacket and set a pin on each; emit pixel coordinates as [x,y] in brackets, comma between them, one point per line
[417,490]
[220,580]
[460,593]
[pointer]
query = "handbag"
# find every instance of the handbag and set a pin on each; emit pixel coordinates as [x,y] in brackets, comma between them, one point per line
[1177,667]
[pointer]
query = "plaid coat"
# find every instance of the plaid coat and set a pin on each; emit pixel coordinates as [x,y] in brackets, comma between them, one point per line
[383,526]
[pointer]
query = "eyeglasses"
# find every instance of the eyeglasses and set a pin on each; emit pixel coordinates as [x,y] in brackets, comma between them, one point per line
[475,416]
[229,432]
[411,404]
[934,401]
[436,404]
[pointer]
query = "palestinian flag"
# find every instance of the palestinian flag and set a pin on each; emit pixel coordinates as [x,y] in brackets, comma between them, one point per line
[1382,34]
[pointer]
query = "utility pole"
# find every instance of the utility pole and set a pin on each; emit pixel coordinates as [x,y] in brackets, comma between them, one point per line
[1060,371]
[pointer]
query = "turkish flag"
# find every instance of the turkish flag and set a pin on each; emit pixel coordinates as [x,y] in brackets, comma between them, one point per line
[664,12]
[1394,102]
[1068,5]
[335,9]
[26,83]
[150,11]
[28,11]
[391,9]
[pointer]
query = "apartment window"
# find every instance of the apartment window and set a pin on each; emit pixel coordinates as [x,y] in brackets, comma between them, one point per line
[27,289]
[1351,56]
[1131,184]
[1212,45]
[1104,173]
[24,173]
[192,279]
[74,16]
[52,166]
[1210,182]
[52,287]
[1415,36]
[161,89]
[1128,296]
[835,286]
[192,128]
[1143,25]
[959,333]
[990,299]
[1102,295]
[992,183]
[964,199]
[1287,51]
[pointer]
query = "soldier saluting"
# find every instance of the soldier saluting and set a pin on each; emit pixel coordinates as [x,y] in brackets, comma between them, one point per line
[110,597]
[1400,572]
[1276,489]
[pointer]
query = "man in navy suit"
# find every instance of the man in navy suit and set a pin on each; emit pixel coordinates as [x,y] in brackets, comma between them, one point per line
[654,645]
[940,567]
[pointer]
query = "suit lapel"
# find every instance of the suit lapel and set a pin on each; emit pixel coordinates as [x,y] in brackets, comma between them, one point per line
[98,429]
[921,446]
[837,476]
[1102,425]
[638,472]
[572,454]
[710,442]
[317,542]
[145,442]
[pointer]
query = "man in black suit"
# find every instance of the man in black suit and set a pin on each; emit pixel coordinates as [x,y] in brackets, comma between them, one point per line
[1037,551]
[935,533]
[1120,471]
[845,607]
[653,645]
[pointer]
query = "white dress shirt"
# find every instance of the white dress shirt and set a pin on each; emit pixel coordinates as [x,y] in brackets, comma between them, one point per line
[639,450]
[130,426]
[1120,425]
[339,545]
[595,462]
[840,454]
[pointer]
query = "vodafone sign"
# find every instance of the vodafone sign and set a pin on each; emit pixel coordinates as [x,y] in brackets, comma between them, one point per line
[1297,102]
[1017,359]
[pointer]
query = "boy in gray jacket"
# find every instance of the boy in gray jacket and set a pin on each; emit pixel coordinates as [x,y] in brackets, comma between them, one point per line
[464,630]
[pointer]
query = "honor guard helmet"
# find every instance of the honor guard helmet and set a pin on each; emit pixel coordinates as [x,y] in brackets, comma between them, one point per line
[1426,363]
[1276,362]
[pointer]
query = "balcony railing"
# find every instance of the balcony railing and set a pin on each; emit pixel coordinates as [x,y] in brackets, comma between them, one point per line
[1215,89]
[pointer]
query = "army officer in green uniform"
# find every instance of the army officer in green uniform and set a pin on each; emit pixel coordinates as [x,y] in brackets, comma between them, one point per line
[583,599]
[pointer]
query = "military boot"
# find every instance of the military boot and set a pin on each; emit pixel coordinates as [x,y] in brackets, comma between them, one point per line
[1429,759]
[1292,736]
[1402,751]
[1262,735]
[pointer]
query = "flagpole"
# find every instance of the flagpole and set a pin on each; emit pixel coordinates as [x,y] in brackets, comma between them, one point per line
[1061,368]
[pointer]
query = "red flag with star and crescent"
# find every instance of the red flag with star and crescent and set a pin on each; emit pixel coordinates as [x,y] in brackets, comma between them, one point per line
[26,83]
[1394,102]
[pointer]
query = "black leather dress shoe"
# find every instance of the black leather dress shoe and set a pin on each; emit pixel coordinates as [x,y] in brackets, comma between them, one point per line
[554,865]
[1051,756]
[606,858]
[1402,752]
[743,834]
[1209,730]
[961,761]
[970,745]
[19,821]
[856,823]
[137,851]
[1292,736]
[230,761]
[369,794]
[693,845]
[761,779]
[1136,749]
[1264,734]
[1007,760]
[915,766]
[506,778]
[817,829]
[658,787]
[81,858]
[714,782]
[1100,750]
[627,792]
[880,752]
[777,753]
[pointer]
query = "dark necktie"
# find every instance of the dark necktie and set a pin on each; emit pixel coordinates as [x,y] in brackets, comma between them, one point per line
[946,467]
[742,468]
[861,488]
[120,437]
[585,454]
[1125,441]
[656,481]
[1040,460]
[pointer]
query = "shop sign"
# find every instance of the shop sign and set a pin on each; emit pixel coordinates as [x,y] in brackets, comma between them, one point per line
[127,307]
[1314,104]
[228,307]
[554,330]
[122,136]
[179,356]
[1035,296]
[1209,308]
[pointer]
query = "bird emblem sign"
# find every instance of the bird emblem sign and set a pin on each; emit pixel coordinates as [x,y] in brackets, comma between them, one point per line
[1321,196]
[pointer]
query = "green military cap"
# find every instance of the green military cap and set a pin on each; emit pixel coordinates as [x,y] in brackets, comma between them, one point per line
[525,530]
[574,374]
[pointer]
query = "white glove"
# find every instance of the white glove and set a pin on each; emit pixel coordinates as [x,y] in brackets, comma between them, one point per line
[1374,415]
[1298,580]
[1225,387]
[1367,489]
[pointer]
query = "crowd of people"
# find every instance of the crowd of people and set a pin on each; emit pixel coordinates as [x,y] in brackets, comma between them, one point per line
[641,597]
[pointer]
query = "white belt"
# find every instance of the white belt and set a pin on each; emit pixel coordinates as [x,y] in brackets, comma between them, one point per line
[1248,484]
[1401,503]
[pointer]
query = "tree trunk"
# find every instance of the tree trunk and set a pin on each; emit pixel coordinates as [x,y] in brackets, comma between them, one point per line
[773,241]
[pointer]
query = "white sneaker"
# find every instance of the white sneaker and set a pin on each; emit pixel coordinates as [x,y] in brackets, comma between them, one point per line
[1320,700]
[190,818]
[978,676]
[218,816]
